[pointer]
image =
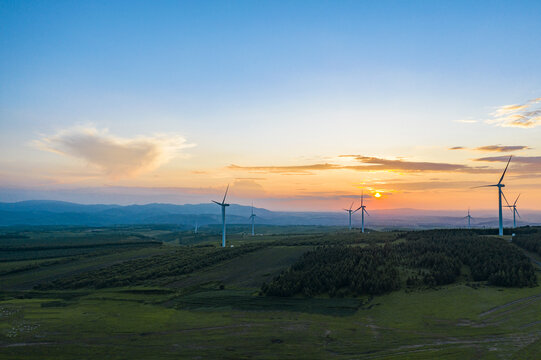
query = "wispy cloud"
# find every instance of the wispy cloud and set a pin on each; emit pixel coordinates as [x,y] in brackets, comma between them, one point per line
[502,148]
[115,156]
[494,148]
[527,115]
[247,188]
[428,185]
[367,163]
[519,164]
[375,163]
[516,159]
[294,169]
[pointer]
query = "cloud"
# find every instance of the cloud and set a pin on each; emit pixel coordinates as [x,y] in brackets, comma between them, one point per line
[502,148]
[374,163]
[494,148]
[114,156]
[519,164]
[530,160]
[508,109]
[367,164]
[287,170]
[527,115]
[428,185]
[251,178]
[247,189]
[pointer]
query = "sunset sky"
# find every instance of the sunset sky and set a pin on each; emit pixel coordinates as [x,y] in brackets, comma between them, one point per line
[299,105]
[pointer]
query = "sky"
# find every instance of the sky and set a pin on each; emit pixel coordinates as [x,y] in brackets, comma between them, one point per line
[298,105]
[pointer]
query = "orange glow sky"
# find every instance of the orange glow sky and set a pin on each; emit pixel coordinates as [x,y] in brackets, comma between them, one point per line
[296,106]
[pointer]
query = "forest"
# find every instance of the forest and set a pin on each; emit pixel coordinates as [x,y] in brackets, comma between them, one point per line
[423,258]
[529,238]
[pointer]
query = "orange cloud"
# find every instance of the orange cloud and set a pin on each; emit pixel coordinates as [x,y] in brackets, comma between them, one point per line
[368,163]
[526,115]
[494,148]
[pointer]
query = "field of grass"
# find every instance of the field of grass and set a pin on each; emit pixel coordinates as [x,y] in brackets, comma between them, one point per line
[216,312]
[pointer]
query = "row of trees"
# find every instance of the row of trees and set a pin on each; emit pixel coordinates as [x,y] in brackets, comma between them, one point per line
[157,269]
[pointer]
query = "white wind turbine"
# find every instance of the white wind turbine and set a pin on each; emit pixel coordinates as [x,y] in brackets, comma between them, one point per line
[223,205]
[252,218]
[513,208]
[363,207]
[350,211]
[469,217]
[500,193]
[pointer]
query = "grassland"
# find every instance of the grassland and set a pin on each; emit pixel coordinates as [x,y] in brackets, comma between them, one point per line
[215,311]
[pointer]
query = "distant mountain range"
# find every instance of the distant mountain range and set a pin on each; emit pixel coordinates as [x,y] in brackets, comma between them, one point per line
[45,212]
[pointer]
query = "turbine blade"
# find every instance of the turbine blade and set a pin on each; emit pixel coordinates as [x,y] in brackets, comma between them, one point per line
[517,212]
[357,209]
[507,202]
[351,205]
[226,190]
[366,211]
[516,199]
[475,187]
[501,179]
[216,202]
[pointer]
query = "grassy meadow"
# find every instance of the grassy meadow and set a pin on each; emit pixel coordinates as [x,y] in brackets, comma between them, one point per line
[166,293]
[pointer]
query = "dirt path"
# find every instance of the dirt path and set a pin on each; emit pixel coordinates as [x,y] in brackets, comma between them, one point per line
[514,302]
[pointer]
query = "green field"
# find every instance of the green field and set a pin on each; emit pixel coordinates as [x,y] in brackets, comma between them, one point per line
[205,302]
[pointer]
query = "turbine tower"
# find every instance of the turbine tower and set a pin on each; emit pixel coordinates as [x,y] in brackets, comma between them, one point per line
[252,218]
[363,207]
[469,219]
[223,205]
[500,193]
[196,227]
[514,210]
[350,211]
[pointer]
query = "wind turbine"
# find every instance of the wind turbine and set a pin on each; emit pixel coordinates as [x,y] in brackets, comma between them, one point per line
[500,193]
[196,227]
[514,210]
[350,211]
[252,218]
[363,207]
[469,217]
[223,205]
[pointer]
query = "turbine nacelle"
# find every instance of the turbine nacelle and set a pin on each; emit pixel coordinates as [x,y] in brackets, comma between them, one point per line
[219,203]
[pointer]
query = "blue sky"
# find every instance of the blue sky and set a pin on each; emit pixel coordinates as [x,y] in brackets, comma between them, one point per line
[261,83]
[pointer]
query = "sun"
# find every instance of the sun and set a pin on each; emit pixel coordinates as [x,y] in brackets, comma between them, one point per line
[378,195]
